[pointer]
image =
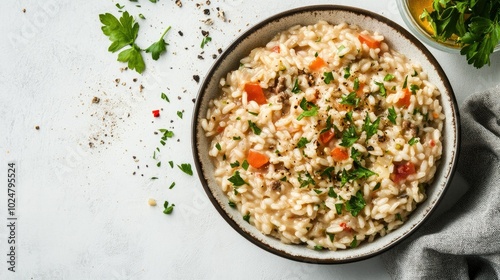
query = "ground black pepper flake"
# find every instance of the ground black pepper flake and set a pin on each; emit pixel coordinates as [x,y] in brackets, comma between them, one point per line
[196,78]
[194,100]
[37,127]
[200,57]
[206,12]
[180,33]
[205,33]
[214,56]
[219,50]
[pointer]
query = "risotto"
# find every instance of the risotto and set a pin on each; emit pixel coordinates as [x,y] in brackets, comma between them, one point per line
[325,136]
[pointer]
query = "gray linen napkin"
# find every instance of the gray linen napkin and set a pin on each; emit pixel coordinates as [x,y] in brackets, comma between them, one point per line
[464,242]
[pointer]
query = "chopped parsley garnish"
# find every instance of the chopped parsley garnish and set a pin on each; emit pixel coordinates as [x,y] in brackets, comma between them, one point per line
[348,117]
[413,141]
[158,164]
[414,88]
[168,208]
[217,145]
[236,138]
[356,84]
[171,163]
[318,191]
[237,180]
[186,168]
[205,41]
[358,172]
[141,16]
[245,164]
[331,192]
[398,217]
[302,142]
[235,164]
[414,73]
[405,84]
[349,136]
[338,208]
[328,125]
[172,185]
[310,109]
[247,217]
[253,113]
[231,204]
[328,172]
[306,182]
[256,130]
[154,178]
[347,72]
[377,186]
[392,115]
[388,77]
[284,179]
[328,77]
[354,242]
[350,99]
[382,89]
[355,154]
[295,88]
[179,114]
[331,236]
[370,128]
[165,97]
[318,247]
[355,204]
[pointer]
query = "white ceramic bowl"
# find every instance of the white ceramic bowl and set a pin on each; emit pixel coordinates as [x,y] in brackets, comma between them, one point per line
[399,39]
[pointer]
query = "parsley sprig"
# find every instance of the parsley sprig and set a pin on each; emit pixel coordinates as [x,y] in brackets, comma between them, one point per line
[475,23]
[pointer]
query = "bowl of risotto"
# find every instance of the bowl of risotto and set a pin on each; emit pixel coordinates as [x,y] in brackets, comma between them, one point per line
[325,134]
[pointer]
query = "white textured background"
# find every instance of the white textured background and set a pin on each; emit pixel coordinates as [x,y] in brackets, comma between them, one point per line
[82,214]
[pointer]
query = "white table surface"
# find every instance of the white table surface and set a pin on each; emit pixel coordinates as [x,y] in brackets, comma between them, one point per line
[82,214]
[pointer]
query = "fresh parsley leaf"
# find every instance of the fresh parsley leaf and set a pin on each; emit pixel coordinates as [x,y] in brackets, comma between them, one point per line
[350,99]
[382,89]
[414,88]
[171,163]
[331,192]
[413,141]
[328,125]
[318,247]
[253,113]
[302,142]
[405,84]
[247,217]
[354,242]
[356,84]
[347,72]
[355,154]
[154,178]
[237,180]
[355,204]
[205,41]
[245,164]
[348,117]
[398,217]
[172,185]
[179,114]
[392,115]
[318,191]
[235,164]
[369,127]
[388,77]
[349,136]
[331,236]
[186,168]
[165,97]
[159,47]
[338,208]
[123,33]
[307,181]
[141,16]
[310,109]
[231,204]
[168,208]
[377,186]
[133,58]
[295,88]
[328,77]
[256,130]
[119,6]
[217,145]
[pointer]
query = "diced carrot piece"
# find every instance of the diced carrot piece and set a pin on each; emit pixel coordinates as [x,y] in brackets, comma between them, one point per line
[369,41]
[256,159]
[405,100]
[432,143]
[255,93]
[435,115]
[276,49]
[339,154]
[345,227]
[317,64]
[326,136]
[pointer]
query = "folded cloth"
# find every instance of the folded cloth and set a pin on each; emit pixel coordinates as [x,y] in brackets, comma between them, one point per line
[463,242]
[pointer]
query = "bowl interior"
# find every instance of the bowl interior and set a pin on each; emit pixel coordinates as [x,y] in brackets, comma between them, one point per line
[398,39]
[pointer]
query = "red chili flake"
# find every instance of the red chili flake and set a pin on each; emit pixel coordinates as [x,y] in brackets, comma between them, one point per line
[156,113]
[345,226]
[276,49]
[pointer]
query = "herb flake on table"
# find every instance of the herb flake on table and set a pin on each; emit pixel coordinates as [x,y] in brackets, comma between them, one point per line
[186,168]
[168,208]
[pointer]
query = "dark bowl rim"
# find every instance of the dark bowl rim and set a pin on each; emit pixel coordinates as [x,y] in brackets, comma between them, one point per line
[315,8]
